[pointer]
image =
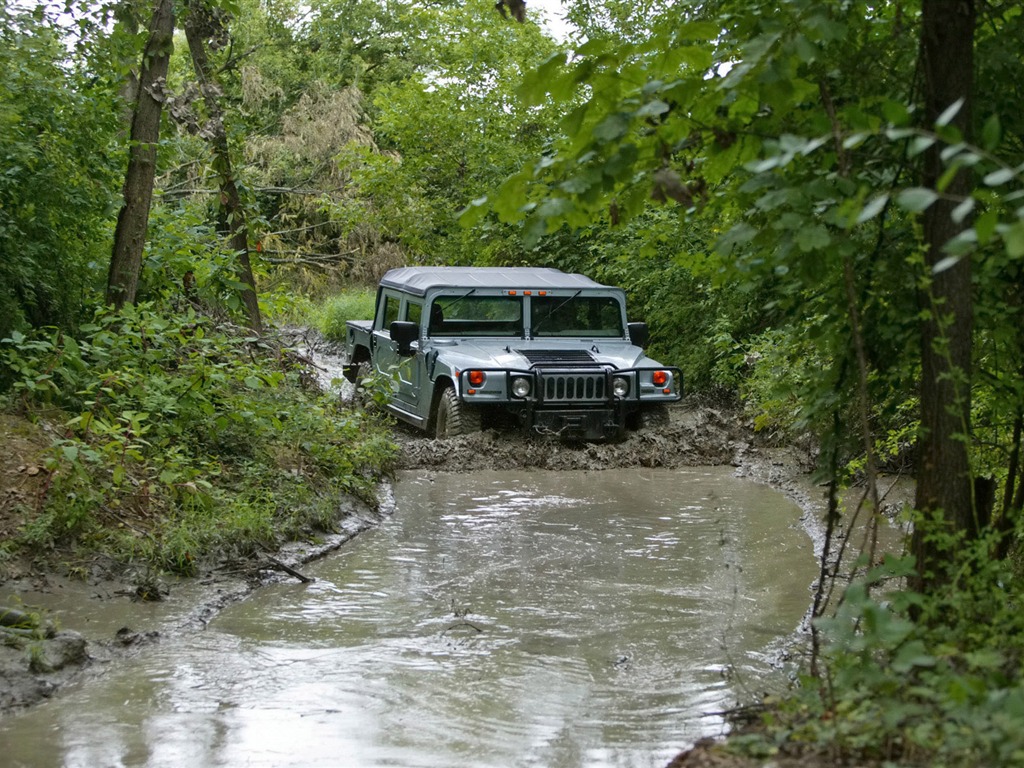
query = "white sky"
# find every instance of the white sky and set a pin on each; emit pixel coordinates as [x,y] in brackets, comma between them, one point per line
[556,25]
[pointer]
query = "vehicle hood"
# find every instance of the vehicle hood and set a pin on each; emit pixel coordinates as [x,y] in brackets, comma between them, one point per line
[520,354]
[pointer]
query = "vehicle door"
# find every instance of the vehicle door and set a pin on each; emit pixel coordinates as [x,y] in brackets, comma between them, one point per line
[404,370]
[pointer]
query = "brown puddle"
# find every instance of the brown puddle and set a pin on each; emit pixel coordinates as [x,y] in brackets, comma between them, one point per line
[498,618]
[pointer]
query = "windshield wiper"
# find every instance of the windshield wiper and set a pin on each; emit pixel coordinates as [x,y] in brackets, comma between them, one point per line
[448,306]
[533,330]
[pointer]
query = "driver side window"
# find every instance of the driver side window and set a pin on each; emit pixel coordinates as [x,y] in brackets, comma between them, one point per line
[413,312]
[390,312]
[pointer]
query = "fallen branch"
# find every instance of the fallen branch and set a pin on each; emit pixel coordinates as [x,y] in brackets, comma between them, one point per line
[458,624]
[302,256]
[289,570]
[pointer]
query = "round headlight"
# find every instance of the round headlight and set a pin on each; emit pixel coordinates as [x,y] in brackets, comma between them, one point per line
[520,386]
[620,386]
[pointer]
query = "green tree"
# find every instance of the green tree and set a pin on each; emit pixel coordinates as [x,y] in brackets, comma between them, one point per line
[201,25]
[840,180]
[455,128]
[944,481]
[133,220]
[57,122]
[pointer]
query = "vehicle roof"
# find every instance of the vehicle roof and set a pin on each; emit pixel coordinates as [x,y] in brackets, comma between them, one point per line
[419,280]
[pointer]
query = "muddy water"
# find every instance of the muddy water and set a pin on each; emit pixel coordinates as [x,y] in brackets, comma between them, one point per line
[497,619]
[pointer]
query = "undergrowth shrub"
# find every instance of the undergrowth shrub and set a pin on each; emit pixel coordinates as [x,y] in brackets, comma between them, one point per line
[182,440]
[915,680]
[349,305]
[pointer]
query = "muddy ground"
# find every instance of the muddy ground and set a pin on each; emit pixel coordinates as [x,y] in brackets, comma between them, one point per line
[34,668]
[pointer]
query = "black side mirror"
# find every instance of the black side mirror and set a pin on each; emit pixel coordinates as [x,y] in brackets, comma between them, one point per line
[639,334]
[404,334]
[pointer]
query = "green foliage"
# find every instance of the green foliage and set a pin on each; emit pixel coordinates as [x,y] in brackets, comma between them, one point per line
[944,688]
[182,441]
[57,180]
[348,305]
[791,134]
[458,131]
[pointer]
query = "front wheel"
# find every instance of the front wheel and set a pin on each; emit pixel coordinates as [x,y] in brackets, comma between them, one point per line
[454,417]
[655,417]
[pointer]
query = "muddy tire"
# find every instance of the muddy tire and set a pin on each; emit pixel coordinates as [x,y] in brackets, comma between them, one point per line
[655,417]
[454,417]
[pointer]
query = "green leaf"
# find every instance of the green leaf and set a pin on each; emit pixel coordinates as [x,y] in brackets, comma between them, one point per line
[655,108]
[854,140]
[947,262]
[910,655]
[612,127]
[896,113]
[991,133]
[919,144]
[534,231]
[916,199]
[813,238]
[553,207]
[898,134]
[620,165]
[997,177]
[949,113]
[538,83]
[985,226]
[961,245]
[872,208]
[985,658]
[963,210]
[1014,239]
[738,235]
[474,212]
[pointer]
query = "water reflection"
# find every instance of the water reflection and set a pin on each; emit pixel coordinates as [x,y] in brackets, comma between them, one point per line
[498,619]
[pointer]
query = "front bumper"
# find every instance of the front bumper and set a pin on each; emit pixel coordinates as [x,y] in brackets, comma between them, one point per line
[577,403]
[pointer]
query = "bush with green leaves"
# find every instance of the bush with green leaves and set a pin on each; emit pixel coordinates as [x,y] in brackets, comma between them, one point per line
[58,178]
[182,441]
[348,305]
[913,680]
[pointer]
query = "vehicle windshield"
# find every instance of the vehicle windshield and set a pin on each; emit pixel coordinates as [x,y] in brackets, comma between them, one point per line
[470,315]
[576,315]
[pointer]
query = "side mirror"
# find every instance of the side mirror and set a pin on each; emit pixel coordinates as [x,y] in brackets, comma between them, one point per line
[404,334]
[639,334]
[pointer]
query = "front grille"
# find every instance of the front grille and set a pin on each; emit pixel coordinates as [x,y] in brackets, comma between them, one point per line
[573,387]
[557,356]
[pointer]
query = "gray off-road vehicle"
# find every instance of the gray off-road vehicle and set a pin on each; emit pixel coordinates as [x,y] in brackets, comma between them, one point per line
[472,347]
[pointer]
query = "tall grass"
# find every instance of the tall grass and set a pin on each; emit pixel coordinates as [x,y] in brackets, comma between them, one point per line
[353,304]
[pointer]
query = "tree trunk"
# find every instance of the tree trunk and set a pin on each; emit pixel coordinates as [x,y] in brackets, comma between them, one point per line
[944,486]
[133,219]
[232,218]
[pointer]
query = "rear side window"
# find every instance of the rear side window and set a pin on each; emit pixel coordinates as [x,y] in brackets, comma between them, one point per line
[391,305]
[413,312]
